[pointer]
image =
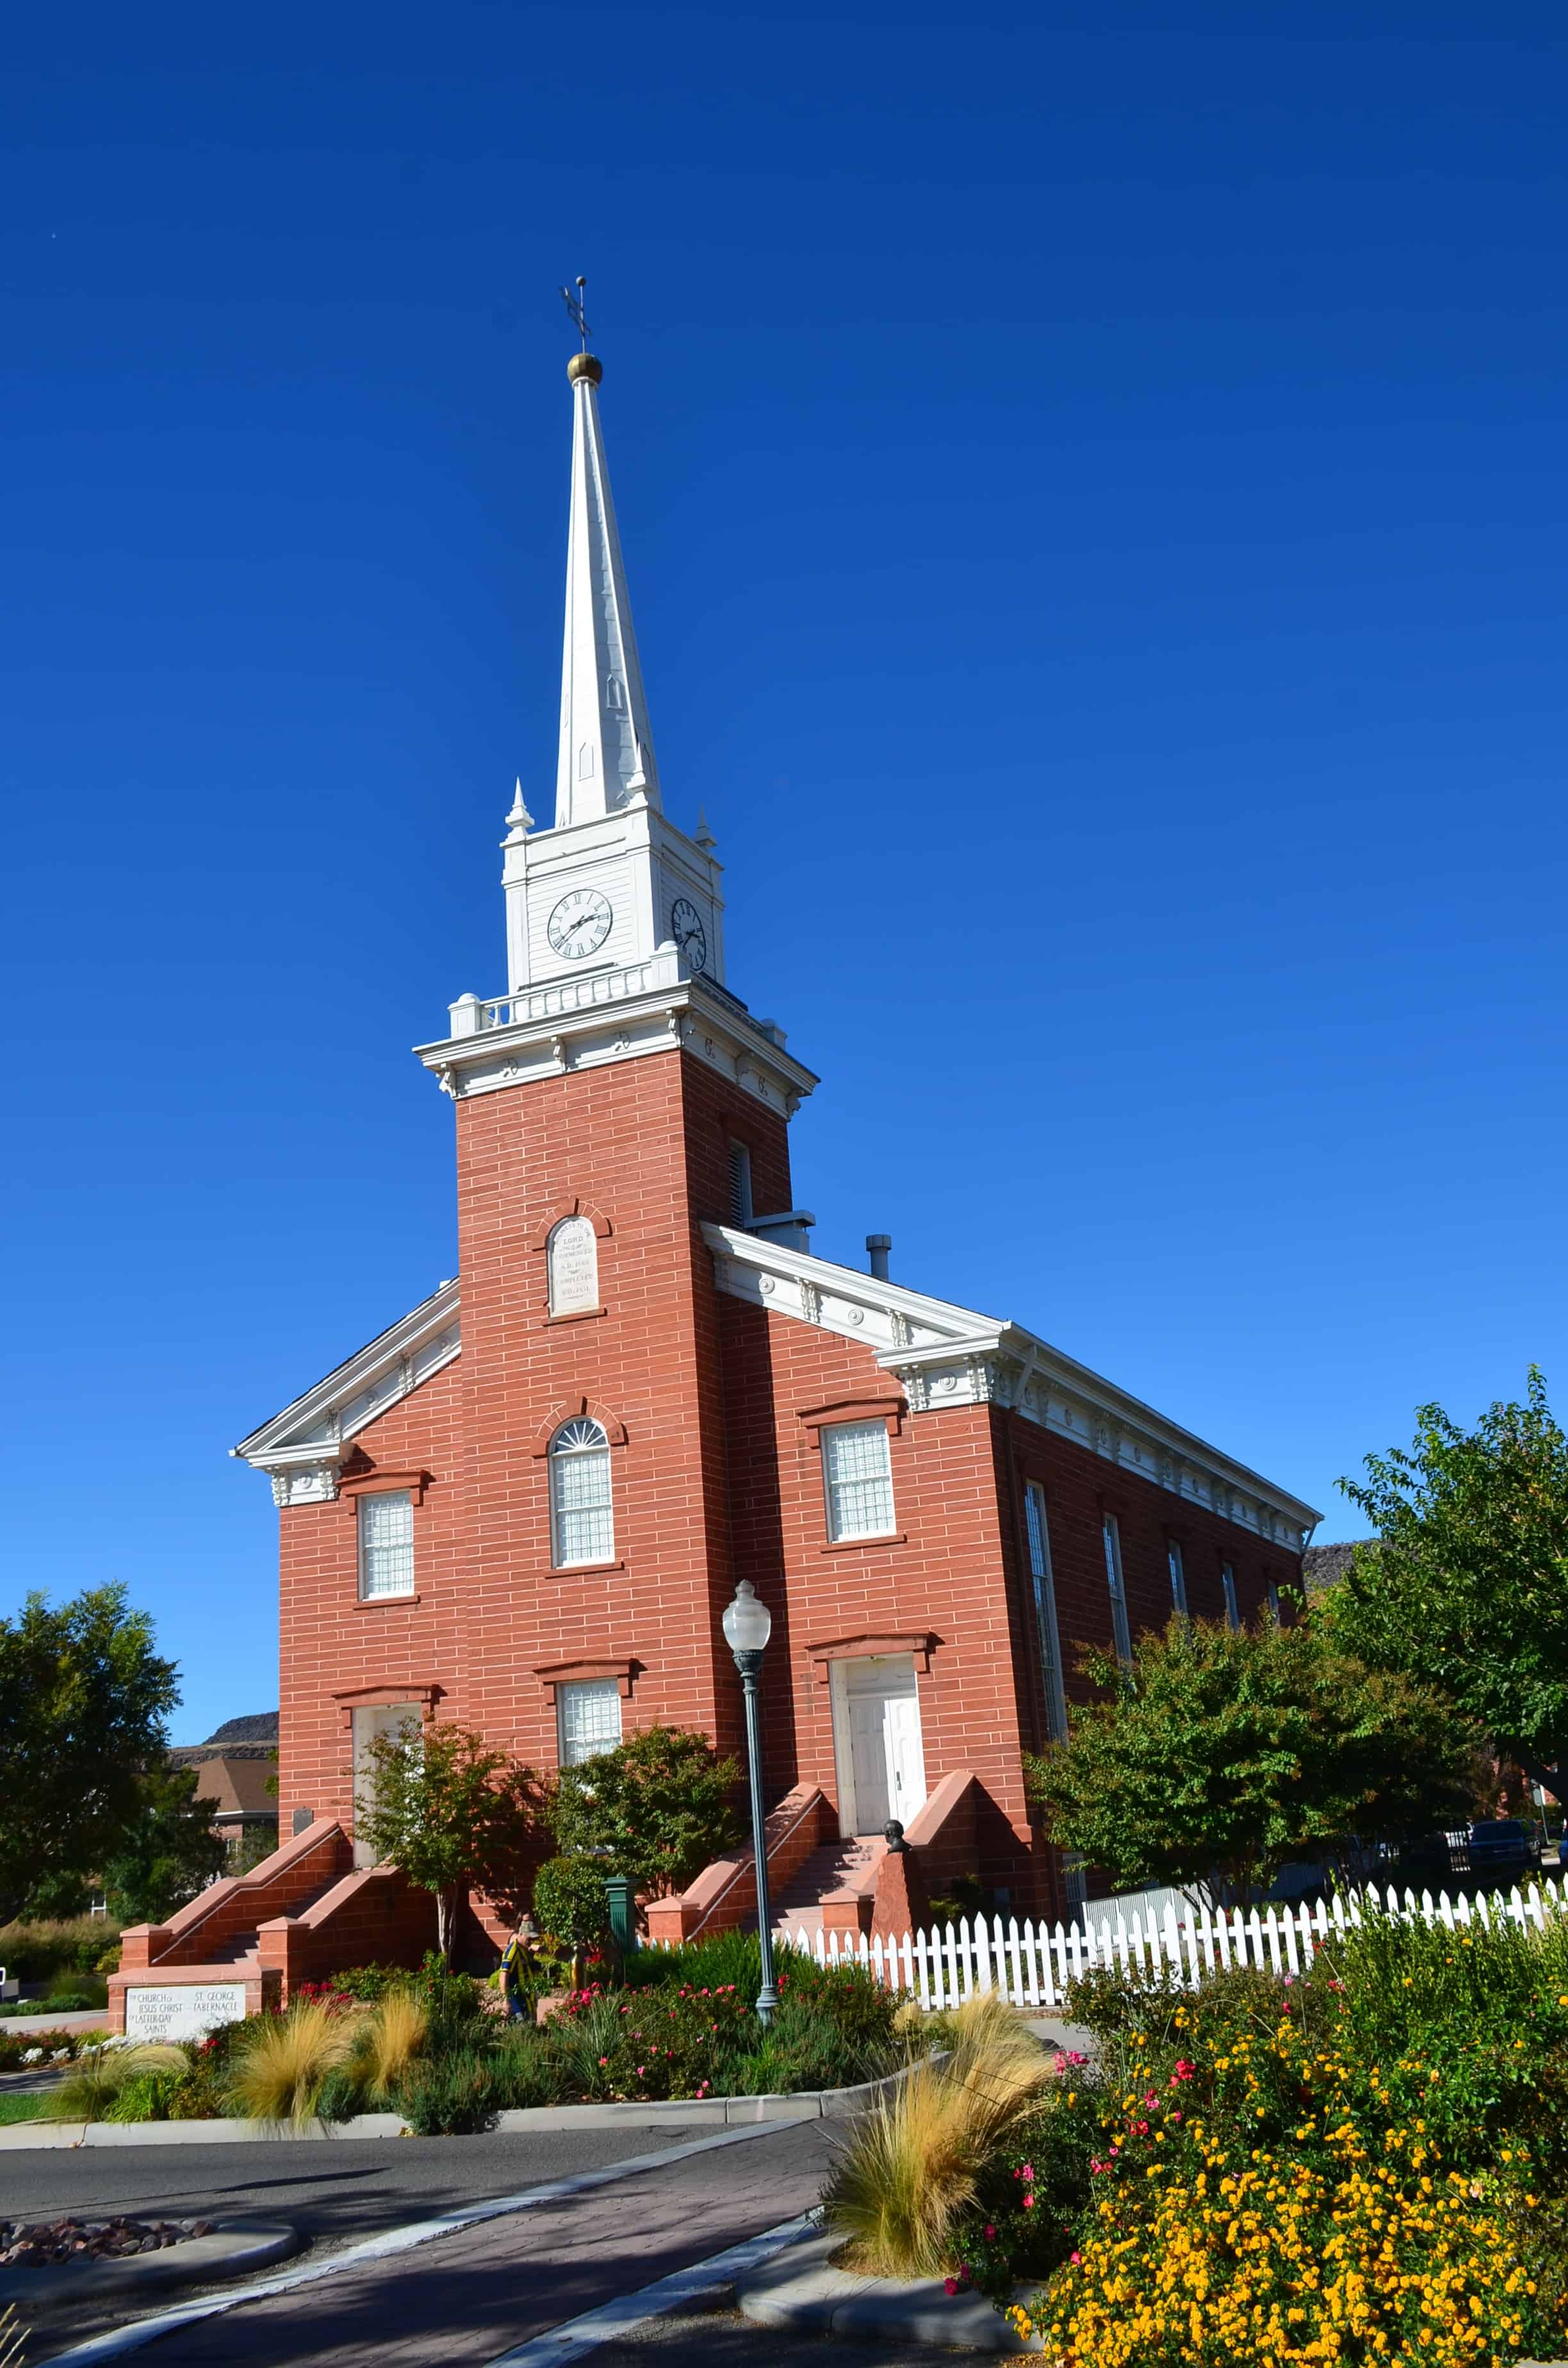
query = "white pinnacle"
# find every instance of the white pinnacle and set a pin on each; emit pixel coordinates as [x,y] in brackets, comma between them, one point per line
[607,751]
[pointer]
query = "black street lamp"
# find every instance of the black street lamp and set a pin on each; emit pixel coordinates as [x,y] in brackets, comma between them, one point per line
[748,1624]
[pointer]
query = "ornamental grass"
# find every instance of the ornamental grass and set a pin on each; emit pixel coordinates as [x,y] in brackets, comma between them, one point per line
[395,2035]
[912,2164]
[280,2063]
[93,2084]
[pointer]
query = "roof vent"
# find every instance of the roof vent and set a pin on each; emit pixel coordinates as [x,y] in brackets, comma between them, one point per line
[879,1249]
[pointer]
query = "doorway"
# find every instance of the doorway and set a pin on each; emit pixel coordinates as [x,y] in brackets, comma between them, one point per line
[378,1718]
[876,1746]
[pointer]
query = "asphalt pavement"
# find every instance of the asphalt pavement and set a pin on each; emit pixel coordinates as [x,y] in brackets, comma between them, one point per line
[333,2192]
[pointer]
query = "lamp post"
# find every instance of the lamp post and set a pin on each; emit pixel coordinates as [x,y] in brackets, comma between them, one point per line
[748,1624]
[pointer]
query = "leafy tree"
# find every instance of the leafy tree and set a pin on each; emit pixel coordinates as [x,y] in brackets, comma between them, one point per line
[1223,1753]
[454,1814]
[1466,1585]
[167,1854]
[660,1805]
[84,1698]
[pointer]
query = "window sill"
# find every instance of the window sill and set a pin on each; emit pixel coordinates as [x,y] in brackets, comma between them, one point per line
[574,1315]
[384,1603]
[582,1569]
[858,1545]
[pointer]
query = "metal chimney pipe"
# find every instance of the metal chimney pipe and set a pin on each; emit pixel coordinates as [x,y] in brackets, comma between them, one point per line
[878,1246]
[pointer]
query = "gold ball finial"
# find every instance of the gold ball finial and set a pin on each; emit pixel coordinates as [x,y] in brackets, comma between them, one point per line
[587,366]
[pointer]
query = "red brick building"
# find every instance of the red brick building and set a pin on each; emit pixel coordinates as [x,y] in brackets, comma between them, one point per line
[525,1505]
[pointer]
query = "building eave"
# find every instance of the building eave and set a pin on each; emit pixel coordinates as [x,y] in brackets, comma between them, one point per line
[947,1355]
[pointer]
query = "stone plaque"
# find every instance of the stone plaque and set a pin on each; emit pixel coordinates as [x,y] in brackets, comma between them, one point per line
[186,2010]
[573,1267]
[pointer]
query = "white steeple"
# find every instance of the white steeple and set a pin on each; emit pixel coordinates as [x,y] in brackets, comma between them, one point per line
[607,750]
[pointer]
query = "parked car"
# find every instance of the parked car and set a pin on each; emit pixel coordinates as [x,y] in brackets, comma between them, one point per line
[1504,1849]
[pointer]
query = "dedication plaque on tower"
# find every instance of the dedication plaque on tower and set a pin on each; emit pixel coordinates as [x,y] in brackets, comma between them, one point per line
[573,1267]
[184,2010]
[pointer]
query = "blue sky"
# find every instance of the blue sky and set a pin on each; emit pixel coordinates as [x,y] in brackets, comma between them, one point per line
[1093,490]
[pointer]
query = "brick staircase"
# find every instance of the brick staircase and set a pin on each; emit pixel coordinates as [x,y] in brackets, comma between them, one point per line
[833,1891]
[301,1914]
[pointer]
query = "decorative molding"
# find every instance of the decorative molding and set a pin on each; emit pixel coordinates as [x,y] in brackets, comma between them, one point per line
[540,1238]
[305,1483]
[573,1411]
[377,1481]
[625,1671]
[426,1693]
[921,1641]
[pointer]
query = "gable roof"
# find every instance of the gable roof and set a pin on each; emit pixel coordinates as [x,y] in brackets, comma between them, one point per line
[303,1446]
[948,1355]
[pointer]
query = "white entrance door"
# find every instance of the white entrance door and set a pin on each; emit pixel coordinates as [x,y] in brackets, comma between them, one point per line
[882,1763]
[379,1718]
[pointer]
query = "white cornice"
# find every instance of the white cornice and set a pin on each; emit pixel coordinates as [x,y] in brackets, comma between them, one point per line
[618,1014]
[946,1355]
[303,1448]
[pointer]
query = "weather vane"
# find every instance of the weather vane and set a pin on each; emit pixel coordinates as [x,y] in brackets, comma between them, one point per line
[574,306]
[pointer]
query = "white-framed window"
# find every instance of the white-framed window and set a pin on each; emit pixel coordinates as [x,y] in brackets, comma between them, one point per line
[1179,1575]
[386,1543]
[582,1523]
[571,1258]
[589,1715]
[858,1479]
[1039,1532]
[1232,1608]
[1273,1602]
[740,1184]
[1112,1538]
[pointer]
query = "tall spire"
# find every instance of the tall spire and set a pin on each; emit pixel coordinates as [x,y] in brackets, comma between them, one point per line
[607,751]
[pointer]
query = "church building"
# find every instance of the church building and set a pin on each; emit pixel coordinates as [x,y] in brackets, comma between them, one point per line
[525,1505]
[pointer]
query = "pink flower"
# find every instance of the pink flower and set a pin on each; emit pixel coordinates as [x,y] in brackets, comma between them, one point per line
[990,2231]
[1076,2259]
[641,2069]
[949,2285]
[1176,2115]
[1029,2203]
[604,2059]
[1027,2172]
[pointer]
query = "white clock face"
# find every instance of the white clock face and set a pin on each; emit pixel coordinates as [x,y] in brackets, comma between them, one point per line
[580,923]
[685,927]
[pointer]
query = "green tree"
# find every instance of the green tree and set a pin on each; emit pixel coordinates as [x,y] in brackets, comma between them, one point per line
[84,1700]
[455,1814]
[660,1805]
[1466,1584]
[167,1854]
[1223,1753]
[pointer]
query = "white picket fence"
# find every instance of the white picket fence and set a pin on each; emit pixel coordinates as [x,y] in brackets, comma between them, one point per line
[1032,1966]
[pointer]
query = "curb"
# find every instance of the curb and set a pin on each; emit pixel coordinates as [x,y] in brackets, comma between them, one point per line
[235,2247]
[702,2114]
[27,2136]
[803,2291]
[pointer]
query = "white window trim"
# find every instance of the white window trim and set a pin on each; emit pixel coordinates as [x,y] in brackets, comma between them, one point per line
[602,1688]
[362,1517]
[1232,1604]
[835,1536]
[1036,1531]
[1179,1575]
[1110,1534]
[554,1460]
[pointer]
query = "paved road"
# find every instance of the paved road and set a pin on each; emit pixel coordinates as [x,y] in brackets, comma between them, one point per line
[726,2341]
[458,2301]
[332,2192]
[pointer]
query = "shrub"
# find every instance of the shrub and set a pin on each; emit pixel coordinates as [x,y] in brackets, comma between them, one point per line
[454,2095]
[731,1958]
[35,1950]
[365,1984]
[280,2064]
[661,1804]
[569,1901]
[912,2162]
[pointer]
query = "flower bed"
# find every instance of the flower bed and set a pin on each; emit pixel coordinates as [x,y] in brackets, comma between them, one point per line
[1370,2164]
[433,2048]
[26,2050]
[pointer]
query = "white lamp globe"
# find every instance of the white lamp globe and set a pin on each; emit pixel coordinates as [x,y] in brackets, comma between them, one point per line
[748,1624]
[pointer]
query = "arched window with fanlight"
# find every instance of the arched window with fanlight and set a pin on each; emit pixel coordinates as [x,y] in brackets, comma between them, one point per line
[581,1521]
